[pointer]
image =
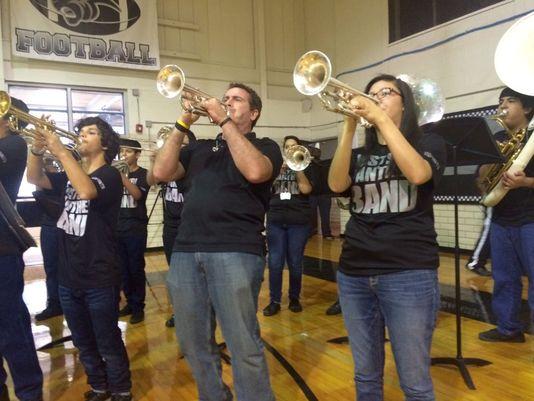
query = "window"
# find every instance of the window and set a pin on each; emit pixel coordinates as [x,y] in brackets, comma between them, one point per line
[407,17]
[66,106]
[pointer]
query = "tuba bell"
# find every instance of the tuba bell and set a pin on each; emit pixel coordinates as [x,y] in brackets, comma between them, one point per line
[514,65]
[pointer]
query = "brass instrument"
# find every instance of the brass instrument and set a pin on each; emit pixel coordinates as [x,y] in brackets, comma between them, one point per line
[16,115]
[170,83]
[312,75]
[163,134]
[121,165]
[509,149]
[515,67]
[297,157]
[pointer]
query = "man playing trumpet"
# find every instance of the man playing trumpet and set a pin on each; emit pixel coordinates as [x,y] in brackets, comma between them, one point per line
[219,255]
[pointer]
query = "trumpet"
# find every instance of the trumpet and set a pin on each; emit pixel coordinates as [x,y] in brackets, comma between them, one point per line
[29,134]
[312,75]
[297,157]
[170,83]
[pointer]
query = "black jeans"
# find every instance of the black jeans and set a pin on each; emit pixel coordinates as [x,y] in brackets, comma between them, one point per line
[132,257]
[50,250]
[93,316]
[324,202]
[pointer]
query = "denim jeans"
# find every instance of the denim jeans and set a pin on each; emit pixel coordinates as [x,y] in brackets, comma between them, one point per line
[92,316]
[132,258]
[16,338]
[407,304]
[286,242]
[50,250]
[512,255]
[206,286]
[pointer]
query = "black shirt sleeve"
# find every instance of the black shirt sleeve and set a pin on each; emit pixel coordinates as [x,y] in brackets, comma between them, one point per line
[107,181]
[434,151]
[13,153]
[58,181]
[270,149]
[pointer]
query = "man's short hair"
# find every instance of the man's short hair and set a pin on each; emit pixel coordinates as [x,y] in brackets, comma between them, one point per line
[18,104]
[108,137]
[526,100]
[255,99]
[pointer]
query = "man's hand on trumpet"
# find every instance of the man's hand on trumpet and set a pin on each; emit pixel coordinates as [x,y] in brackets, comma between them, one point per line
[45,139]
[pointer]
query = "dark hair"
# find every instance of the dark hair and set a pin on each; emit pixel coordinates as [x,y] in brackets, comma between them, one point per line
[255,100]
[18,104]
[408,126]
[526,101]
[108,137]
[288,137]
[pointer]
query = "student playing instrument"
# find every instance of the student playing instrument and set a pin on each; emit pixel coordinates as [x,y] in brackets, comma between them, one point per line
[89,272]
[388,266]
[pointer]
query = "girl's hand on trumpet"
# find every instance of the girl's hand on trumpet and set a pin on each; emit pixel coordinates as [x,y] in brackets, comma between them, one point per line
[368,110]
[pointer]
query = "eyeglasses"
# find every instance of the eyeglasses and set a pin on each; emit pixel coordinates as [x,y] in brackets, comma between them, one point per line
[384,92]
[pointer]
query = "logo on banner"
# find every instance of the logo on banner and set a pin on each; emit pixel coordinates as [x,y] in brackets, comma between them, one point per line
[86,31]
[90,17]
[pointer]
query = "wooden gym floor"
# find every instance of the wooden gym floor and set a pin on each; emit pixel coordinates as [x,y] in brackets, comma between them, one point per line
[303,364]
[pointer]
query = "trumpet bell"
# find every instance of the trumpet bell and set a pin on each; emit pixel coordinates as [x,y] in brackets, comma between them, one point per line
[170,81]
[312,73]
[514,59]
[5,103]
[297,157]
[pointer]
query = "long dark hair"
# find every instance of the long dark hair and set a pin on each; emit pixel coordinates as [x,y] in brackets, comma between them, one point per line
[409,125]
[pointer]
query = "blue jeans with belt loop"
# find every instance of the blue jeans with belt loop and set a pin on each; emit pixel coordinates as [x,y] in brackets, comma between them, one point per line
[206,286]
[406,303]
[512,255]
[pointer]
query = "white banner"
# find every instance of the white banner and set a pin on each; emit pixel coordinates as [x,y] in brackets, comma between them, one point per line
[112,33]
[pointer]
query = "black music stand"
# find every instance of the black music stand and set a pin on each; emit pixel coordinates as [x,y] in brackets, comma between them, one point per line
[469,142]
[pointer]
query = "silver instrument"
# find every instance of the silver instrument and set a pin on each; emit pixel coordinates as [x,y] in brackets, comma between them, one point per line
[297,157]
[170,83]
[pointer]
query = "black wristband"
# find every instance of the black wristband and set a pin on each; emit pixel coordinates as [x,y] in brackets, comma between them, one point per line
[224,121]
[181,128]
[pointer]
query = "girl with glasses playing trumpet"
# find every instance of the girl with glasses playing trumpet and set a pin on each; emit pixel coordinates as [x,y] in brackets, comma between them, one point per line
[388,266]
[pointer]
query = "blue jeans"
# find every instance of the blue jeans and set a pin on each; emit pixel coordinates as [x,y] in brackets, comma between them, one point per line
[512,255]
[92,316]
[205,286]
[16,338]
[50,250]
[407,304]
[286,242]
[132,258]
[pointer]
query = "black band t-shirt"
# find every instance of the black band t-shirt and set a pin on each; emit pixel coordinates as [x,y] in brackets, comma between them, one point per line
[223,212]
[132,216]
[173,202]
[13,154]
[517,206]
[288,205]
[391,227]
[88,246]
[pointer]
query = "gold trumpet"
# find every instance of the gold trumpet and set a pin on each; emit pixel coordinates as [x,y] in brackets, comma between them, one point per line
[29,134]
[170,83]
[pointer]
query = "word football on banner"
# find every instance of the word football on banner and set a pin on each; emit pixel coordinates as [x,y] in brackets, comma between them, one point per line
[113,33]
